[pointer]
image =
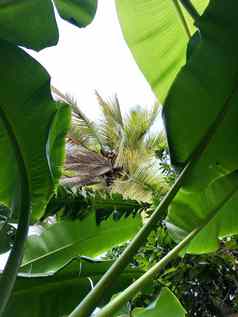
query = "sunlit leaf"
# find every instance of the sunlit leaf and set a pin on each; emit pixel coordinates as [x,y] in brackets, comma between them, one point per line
[67,239]
[157,34]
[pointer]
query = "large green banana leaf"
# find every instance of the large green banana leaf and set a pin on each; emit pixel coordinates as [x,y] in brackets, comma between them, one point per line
[31,145]
[54,295]
[77,12]
[67,239]
[29,119]
[32,23]
[166,305]
[28,23]
[157,32]
[190,210]
[207,84]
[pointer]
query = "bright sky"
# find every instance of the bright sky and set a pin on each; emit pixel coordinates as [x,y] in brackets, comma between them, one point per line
[92,58]
[96,57]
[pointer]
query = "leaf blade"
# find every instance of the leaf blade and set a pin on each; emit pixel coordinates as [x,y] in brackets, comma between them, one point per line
[61,291]
[157,38]
[30,102]
[68,239]
[190,209]
[39,14]
[78,12]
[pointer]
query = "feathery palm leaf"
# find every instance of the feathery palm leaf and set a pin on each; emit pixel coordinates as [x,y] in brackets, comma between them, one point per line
[83,130]
[155,142]
[142,183]
[136,136]
[120,152]
[88,167]
[139,123]
[111,125]
[111,108]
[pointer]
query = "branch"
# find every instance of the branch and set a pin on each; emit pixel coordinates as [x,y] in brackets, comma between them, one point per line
[139,284]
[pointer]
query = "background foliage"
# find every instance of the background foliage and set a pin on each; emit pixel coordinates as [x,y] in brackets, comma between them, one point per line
[187,52]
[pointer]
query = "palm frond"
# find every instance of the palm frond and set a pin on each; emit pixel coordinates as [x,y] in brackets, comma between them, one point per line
[87,167]
[155,142]
[130,158]
[111,124]
[83,130]
[110,108]
[153,114]
[126,162]
[142,183]
[138,124]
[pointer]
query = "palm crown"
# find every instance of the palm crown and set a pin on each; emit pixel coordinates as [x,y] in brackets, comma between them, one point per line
[119,152]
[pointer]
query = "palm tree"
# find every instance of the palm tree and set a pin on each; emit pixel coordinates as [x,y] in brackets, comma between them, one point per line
[120,152]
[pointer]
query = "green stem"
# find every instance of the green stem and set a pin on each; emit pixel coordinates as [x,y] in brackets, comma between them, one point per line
[91,300]
[85,308]
[139,284]
[22,207]
[190,9]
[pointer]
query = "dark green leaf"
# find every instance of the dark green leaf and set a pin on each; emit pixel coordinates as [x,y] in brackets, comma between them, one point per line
[193,43]
[54,295]
[77,12]
[204,86]
[67,239]
[28,23]
[30,112]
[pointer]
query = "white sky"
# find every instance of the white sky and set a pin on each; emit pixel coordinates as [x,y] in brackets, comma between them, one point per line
[96,57]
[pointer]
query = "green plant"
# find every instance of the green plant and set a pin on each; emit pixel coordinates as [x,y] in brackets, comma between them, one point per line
[61,290]
[120,152]
[61,242]
[205,284]
[194,73]
[30,173]
[223,106]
